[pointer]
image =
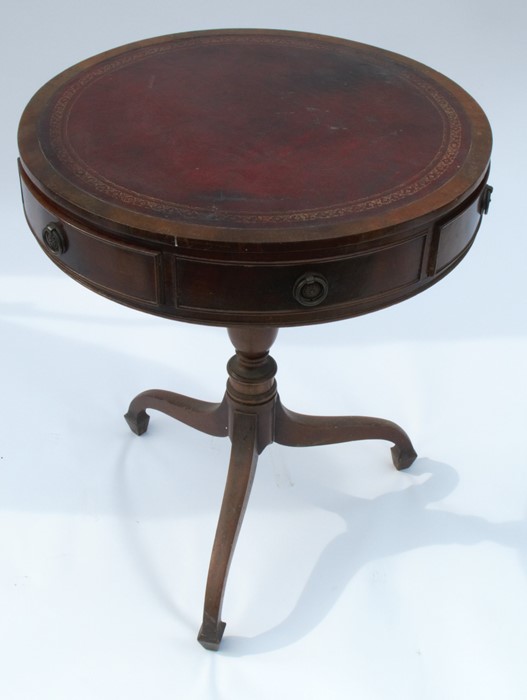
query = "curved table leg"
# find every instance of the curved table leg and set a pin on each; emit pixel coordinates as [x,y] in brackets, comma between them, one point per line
[298,430]
[210,418]
[237,489]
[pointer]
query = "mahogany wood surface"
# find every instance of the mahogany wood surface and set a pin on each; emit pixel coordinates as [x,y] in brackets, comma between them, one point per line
[253,416]
[254,179]
[319,175]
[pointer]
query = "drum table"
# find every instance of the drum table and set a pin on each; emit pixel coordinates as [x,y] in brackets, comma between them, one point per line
[254,179]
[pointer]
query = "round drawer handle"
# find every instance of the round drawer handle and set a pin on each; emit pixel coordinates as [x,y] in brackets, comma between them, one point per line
[55,238]
[311,289]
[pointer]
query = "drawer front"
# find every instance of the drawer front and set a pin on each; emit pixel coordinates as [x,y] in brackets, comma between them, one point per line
[453,238]
[130,273]
[300,287]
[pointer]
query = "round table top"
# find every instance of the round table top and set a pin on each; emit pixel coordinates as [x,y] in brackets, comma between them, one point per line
[254,136]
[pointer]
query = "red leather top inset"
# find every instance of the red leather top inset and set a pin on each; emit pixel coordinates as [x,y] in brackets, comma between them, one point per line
[255,130]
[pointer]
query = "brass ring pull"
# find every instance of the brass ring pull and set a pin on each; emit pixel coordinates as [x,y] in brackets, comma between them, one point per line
[311,289]
[55,238]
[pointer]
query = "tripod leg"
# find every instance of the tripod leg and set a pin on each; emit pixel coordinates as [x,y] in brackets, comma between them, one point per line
[237,489]
[298,430]
[210,418]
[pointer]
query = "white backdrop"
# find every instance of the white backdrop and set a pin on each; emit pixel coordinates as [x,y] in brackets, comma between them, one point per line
[350,579]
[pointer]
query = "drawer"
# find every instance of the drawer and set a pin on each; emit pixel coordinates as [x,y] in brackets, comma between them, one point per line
[453,237]
[115,269]
[298,287]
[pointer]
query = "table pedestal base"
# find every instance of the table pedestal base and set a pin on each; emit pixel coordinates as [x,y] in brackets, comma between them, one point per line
[252,415]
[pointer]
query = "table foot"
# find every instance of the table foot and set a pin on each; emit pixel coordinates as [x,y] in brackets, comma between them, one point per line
[137,421]
[403,458]
[299,430]
[210,635]
[210,418]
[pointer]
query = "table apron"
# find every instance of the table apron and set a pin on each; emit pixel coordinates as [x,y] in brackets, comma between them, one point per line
[281,291]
